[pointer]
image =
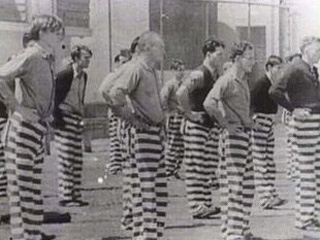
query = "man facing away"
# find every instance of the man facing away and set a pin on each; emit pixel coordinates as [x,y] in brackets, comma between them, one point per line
[298,90]
[68,114]
[229,104]
[27,125]
[264,110]
[201,134]
[141,84]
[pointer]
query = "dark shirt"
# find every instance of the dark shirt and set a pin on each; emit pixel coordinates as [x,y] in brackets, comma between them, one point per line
[298,87]
[198,84]
[261,101]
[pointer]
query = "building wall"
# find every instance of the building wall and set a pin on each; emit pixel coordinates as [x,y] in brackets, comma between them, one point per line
[129,19]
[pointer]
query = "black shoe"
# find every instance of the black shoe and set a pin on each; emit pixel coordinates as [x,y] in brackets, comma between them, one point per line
[73,203]
[55,217]
[275,202]
[206,213]
[312,227]
[47,237]
[5,219]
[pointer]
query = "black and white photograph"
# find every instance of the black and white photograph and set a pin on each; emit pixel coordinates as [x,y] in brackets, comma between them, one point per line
[159,120]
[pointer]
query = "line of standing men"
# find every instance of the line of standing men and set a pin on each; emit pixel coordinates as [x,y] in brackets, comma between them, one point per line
[212,105]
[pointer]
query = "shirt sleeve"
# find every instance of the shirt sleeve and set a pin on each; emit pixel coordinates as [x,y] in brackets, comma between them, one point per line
[15,67]
[278,90]
[165,93]
[125,85]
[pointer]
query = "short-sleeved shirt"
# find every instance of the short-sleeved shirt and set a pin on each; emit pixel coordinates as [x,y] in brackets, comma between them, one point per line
[168,94]
[34,67]
[142,84]
[233,98]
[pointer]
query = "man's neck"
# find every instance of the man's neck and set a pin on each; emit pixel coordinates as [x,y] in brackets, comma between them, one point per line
[269,76]
[146,60]
[238,72]
[48,48]
[77,68]
[207,64]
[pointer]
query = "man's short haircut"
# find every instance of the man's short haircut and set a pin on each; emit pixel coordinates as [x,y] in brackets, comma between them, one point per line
[26,38]
[238,49]
[45,23]
[76,51]
[123,53]
[176,64]
[148,39]
[211,44]
[293,56]
[273,60]
[306,41]
[134,45]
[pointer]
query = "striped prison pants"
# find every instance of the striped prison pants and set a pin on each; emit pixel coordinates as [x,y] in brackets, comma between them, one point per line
[3,175]
[115,153]
[236,184]
[307,137]
[291,146]
[174,145]
[263,157]
[148,182]
[128,156]
[201,163]
[24,150]
[68,140]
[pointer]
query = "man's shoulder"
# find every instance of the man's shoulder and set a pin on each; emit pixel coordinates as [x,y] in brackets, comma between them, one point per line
[66,71]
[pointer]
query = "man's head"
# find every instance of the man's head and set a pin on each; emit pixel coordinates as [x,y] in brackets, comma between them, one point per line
[273,65]
[213,51]
[293,57]
[178,68]
[121,58]
[310,49]
[81,56]
[242,54]
[47,28]
[151,45]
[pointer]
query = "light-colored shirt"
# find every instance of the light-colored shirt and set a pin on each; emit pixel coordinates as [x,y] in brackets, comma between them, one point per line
[142,84]
[34,67]
[232,97]
[73,101]
[168,95]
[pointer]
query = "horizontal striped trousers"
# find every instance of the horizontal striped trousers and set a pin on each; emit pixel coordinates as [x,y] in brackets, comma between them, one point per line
[128,154]
[307,137]
[24,152]
[201,163]
[236,184]
[291,146]
[174,146]
[148,183]
[263,158]
[68,140]
[3,175]
[115,153]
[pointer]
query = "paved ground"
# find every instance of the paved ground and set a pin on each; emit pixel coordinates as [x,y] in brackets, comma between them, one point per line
[100,221]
